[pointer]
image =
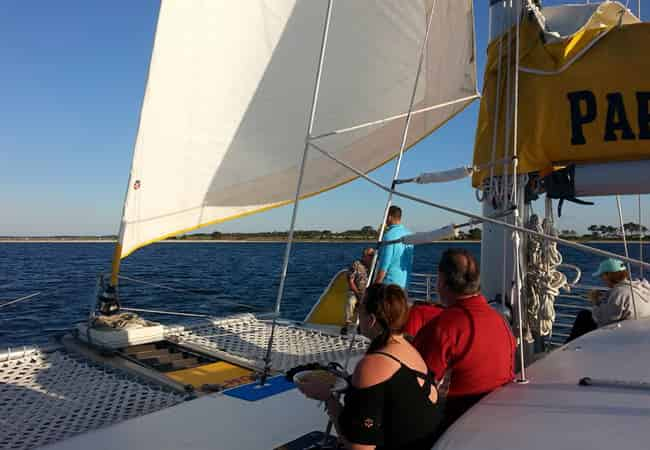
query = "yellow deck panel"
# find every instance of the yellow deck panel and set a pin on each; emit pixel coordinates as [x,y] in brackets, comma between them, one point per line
[330,309]
[214,373]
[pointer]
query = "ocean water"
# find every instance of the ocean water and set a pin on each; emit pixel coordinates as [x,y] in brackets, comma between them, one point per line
[208,277]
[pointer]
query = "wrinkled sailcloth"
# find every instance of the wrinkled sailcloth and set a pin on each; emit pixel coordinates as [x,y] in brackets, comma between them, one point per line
[229,94]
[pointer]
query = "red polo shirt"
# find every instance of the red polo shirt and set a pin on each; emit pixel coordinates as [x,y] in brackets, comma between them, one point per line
[419,315]
[475,341]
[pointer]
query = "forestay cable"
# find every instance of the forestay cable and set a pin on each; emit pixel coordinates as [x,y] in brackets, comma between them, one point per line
[478,217]
[629,268]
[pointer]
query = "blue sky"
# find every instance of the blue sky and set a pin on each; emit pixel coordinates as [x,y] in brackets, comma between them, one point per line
[71,86]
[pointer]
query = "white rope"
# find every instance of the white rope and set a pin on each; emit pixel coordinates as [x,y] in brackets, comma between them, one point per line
[629,268]
[169,313]
[543,279]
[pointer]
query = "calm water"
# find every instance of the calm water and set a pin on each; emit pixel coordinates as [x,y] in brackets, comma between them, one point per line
[245,273]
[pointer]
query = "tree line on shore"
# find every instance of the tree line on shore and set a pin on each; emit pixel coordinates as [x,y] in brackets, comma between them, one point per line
[366,233]
[633,231]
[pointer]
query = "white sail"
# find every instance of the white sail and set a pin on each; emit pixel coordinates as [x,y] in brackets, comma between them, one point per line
[227,103]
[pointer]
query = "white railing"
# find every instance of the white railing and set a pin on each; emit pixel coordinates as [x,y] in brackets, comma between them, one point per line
[422,287]
[567,305]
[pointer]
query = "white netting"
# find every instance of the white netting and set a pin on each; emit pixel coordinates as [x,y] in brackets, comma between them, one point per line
[247,338]
[47,397]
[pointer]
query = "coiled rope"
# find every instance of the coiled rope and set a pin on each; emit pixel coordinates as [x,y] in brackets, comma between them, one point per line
[543,279]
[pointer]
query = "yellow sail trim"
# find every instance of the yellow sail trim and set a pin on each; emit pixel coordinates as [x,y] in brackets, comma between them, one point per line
[124,253]
[330,309]
[581,99]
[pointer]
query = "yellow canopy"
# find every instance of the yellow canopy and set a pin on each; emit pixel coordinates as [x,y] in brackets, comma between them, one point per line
[584,97]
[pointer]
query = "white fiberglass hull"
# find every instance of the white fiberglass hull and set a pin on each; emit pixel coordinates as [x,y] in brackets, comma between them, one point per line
[554,412]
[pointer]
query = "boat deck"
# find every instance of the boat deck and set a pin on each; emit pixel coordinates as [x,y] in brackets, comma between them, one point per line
[51,396]
[554,412]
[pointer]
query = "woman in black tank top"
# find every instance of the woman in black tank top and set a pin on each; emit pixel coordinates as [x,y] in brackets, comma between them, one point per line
[385,409]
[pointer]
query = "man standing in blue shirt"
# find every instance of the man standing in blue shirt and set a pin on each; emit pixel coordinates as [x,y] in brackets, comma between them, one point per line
[395,260]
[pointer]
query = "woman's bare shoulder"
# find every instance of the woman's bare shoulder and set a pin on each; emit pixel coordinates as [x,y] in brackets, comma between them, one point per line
[373,369]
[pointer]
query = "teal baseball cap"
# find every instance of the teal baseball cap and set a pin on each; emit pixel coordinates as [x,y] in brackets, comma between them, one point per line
[610,265]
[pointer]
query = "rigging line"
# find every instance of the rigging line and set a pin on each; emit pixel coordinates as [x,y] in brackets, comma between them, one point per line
[504,191]
[515,198]
[189,291]
[373,264]
[170,313]
[310,128]
[497,104]
[27,297]
[391,118]
[508,98]
[484,219]
[641,236]
[629,268]
[303,164]
[398,164]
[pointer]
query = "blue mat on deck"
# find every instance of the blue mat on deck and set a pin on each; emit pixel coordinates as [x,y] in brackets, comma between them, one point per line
[253,392]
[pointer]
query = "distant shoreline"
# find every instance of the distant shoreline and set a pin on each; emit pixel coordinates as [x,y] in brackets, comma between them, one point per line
[199,241]
[36,240]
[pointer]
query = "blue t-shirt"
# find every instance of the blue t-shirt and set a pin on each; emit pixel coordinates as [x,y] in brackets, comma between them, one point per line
[396,259]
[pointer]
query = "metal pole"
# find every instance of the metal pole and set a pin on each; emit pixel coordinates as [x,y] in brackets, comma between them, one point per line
[371,273]
[516,199]
[627,255]
[409,114]
[641,236]
[310,127]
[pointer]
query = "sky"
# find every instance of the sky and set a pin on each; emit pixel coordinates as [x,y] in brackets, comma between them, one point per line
[71,85]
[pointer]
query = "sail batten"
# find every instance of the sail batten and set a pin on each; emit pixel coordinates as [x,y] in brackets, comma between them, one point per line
[223,121]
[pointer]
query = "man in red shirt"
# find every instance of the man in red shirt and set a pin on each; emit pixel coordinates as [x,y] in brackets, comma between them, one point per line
[469,338]
[420,314]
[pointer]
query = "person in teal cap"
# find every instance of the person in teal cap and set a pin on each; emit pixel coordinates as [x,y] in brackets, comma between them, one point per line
[626,299]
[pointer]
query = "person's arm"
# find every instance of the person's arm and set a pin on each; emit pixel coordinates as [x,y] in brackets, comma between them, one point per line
[352,285]
[434,345]
[381,274]
[334,408]
[614,307]
[385,257]
[359,422]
